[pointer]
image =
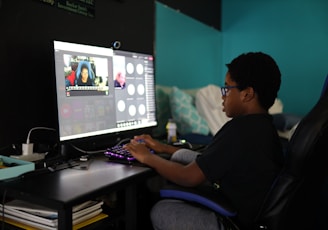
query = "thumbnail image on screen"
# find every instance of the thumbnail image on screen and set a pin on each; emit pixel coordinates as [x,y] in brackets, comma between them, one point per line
[85,73]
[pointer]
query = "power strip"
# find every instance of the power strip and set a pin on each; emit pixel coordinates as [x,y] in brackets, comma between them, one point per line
[30,157]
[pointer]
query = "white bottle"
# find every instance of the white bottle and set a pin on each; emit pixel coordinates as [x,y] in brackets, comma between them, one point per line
[171,129]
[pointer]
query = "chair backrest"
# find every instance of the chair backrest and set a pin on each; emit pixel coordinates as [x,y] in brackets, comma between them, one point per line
[325,85]
[294,199]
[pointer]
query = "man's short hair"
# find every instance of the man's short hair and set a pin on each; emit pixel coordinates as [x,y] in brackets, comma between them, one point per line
[259,71]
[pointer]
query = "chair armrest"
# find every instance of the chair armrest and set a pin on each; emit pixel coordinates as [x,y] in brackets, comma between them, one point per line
[207,197]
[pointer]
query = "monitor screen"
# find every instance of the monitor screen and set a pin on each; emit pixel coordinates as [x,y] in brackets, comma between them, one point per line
[102,91]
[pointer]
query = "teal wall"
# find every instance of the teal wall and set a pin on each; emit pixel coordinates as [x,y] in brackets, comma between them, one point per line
[294,32]
[188,52]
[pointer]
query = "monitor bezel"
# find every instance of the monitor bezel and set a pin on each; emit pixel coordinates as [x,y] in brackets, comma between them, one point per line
[108,137]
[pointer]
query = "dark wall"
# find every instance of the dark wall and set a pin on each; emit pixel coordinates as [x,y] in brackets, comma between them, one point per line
[27,94]
[206,11]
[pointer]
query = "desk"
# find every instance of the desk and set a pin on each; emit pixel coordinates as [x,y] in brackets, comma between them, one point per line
[63,189]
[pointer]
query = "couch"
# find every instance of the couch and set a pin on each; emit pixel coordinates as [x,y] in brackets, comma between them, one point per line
[198,113]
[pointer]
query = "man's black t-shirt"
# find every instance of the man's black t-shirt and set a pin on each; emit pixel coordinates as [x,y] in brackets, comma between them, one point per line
[243,159]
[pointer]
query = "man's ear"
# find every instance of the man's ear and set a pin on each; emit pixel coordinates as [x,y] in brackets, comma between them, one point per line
[248,94]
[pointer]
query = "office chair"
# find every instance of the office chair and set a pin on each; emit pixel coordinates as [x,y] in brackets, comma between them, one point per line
[298,197]
[325,85]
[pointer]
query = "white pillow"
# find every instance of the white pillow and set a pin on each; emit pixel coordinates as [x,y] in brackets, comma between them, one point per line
[208,102]
[277,107]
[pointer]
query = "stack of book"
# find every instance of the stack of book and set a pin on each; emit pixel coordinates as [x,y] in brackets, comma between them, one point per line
[30,216]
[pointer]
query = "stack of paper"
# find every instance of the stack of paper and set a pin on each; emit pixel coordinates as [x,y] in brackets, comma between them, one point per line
[44,218]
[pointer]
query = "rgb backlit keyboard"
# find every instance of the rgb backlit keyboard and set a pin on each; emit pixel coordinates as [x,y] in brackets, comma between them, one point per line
[119,154]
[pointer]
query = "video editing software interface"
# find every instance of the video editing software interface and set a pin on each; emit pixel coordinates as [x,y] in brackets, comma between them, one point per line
[101,90]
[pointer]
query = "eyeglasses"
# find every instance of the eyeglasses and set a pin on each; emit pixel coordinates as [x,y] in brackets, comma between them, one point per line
[225,89]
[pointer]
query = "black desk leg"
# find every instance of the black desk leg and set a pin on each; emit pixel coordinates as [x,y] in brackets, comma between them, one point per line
[65,219]
[131,207]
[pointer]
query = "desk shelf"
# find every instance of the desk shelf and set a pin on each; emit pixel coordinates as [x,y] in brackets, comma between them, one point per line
[63,189]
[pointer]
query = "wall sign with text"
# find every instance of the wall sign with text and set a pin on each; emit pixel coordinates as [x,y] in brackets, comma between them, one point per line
[82,7]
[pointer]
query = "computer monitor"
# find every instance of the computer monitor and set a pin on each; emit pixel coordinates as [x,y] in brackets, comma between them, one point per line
[102,91]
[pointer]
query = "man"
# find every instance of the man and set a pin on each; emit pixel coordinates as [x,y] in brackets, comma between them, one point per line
[119,80]
[242,160]
[84,79]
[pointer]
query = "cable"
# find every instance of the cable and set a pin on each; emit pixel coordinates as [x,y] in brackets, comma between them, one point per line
[123,140]
[87,152]
[29,133]
[98,151]
[27,148]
